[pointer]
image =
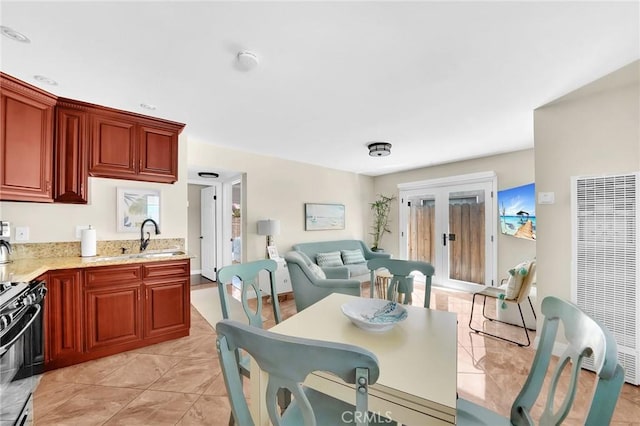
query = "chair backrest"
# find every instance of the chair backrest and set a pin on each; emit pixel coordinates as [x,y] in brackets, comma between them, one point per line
[273,353]
[586,337]
[246,274]
[401,271]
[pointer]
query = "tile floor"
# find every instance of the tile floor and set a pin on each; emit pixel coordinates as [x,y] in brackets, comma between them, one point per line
[179,382]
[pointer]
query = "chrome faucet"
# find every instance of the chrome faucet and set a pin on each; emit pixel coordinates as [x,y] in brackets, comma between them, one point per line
[144,242]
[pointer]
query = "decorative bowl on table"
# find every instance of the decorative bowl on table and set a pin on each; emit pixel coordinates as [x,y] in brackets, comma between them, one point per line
[374,314]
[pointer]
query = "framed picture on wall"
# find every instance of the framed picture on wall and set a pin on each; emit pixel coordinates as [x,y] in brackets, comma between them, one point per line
[518,211]
[323,216]
[273,252]
[134,206]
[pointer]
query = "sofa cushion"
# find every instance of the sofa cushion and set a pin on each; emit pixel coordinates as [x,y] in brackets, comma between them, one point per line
[516,277]
[357,269]
[317,271]
[352,256]
[329,259]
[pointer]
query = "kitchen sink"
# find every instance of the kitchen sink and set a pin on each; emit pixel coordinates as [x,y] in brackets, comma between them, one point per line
[147,255]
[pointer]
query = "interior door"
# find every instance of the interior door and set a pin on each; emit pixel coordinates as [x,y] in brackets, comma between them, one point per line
[208,234]
[451,227]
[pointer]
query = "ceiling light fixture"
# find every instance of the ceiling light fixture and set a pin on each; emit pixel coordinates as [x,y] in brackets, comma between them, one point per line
[379,149]
[247,60]
[208,175]
[45,80]
[14,35]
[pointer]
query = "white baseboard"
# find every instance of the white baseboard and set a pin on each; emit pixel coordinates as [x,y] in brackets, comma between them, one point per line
[196,272]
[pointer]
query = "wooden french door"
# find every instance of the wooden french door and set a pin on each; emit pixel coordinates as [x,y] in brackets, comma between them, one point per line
[451,225]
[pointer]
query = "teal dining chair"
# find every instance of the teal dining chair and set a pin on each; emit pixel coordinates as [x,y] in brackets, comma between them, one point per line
[401,281]
[586,337]
[288,361]
[245,275]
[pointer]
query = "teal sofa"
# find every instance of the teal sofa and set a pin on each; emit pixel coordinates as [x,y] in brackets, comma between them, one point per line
[308,287]
[358,271]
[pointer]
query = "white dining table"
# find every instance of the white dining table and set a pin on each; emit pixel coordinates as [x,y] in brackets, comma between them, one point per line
[417,359]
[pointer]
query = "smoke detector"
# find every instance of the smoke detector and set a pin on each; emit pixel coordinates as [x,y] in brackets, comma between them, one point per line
[247,60]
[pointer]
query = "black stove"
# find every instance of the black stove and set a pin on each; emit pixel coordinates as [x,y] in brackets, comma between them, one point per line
[21,348]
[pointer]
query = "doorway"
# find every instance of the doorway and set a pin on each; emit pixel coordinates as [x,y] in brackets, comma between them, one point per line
[451,224]
[211,206]
[209,231]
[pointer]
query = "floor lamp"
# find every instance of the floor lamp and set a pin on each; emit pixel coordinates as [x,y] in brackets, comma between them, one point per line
[269,227]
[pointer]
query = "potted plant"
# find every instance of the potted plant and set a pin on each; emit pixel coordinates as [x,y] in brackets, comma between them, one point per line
[381,209]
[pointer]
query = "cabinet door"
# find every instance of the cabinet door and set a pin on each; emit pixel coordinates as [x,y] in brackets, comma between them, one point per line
[63,315]
[167,307]
[26,144]
[158,154]
[70,158]
[113,149]
[113,316]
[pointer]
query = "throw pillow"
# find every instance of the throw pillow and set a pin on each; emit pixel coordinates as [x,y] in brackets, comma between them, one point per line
[329,259]
[516,276]
[350,257]
[317,271]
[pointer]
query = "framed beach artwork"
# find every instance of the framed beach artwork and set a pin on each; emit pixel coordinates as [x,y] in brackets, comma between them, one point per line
[272,251]
[320,217]
[517,208]
[136,205]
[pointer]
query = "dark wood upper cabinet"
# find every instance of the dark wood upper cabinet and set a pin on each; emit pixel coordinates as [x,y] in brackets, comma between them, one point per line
[113,147]
[49,146]
[26,141]
[71,148]
[158,153]
[130,146]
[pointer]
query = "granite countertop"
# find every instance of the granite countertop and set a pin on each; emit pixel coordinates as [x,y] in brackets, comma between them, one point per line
[29,269]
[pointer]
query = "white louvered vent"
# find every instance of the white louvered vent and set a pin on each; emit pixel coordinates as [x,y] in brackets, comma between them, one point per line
[606,268]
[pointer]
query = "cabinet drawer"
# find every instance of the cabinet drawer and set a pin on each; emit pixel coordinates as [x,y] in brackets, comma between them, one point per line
[110,275]
[165,269]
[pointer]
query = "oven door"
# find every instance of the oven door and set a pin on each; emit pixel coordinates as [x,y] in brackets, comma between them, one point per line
[16,389]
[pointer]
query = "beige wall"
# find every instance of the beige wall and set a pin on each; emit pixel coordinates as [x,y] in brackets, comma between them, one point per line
[592,131]
[56,222]
[512,169]
[277,189]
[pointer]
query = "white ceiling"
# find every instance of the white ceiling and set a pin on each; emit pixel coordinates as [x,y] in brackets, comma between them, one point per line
[442,81]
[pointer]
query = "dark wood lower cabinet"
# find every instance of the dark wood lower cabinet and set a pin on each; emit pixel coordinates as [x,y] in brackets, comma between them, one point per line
[63,311]
[113,316]
[101,311]
[167,310]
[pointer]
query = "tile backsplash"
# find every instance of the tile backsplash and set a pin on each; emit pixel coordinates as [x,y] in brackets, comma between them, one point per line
[104,248]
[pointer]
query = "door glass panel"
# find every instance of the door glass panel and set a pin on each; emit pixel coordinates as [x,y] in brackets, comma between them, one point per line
[466,237]
[236,224]
[422,237]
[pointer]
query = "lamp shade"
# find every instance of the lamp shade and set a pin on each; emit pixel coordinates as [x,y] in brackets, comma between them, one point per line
[269,227]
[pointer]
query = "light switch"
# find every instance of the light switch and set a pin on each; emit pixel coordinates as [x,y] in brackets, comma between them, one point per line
[546,197]
[22,233]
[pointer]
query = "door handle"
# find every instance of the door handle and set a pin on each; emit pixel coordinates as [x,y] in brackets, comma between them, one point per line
[444,239]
